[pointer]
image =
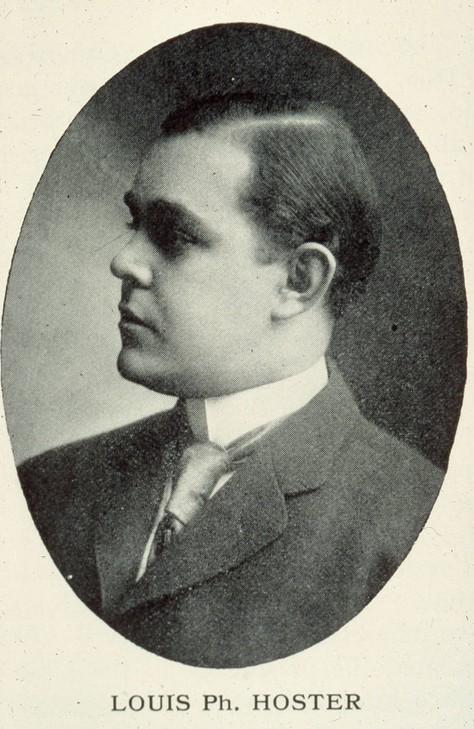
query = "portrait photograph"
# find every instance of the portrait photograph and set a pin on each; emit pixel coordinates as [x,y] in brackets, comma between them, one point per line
[234,355]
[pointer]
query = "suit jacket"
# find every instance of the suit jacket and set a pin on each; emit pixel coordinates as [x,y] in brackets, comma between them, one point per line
[297,542]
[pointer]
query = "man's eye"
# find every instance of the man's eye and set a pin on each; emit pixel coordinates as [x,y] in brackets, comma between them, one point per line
[174,243]
[171,240]
[183,237]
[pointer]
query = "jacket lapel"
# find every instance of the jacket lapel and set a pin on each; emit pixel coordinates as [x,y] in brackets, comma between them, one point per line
[121,532]
[245,515]
[129,503]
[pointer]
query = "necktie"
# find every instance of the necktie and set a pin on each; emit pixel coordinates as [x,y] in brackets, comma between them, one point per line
[199,470]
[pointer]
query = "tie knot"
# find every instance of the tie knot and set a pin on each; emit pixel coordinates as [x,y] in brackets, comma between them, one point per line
[207,456]
[199,469]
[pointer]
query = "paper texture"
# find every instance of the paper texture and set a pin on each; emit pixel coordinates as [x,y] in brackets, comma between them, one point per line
[409,653]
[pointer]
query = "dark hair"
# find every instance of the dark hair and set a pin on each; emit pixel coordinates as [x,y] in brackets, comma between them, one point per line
[310,182]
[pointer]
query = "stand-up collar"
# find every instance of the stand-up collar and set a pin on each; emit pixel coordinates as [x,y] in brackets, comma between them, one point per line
[224,419]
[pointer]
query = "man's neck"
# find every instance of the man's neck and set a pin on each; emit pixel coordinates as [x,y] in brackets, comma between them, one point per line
[223,419]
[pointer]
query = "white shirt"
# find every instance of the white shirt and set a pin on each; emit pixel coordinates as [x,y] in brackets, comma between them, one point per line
[223,419]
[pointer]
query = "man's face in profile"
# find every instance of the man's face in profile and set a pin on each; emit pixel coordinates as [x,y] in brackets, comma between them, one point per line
[196,302]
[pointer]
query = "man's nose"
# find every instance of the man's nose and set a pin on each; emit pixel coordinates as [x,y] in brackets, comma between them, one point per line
[131,263]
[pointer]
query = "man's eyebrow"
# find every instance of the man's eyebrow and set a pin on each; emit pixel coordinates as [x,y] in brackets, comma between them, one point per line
[171,212]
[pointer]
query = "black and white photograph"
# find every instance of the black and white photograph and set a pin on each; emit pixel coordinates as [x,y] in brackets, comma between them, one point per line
[234,347]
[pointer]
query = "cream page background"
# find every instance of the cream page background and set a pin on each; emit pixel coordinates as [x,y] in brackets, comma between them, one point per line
[409,653]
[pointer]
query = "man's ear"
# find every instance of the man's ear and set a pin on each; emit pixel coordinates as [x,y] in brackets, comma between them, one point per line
[310,271]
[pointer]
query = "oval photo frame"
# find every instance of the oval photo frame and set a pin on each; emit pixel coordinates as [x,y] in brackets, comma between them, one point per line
[401,348]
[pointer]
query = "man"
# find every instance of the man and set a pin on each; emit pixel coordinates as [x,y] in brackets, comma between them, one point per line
[262,512]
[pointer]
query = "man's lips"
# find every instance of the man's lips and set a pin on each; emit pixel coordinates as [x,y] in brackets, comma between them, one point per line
[129,317]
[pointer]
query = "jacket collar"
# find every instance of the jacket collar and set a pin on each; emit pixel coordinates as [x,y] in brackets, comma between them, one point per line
[306,444]
[247,514]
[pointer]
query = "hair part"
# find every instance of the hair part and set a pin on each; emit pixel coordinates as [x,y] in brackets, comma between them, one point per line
[310,181]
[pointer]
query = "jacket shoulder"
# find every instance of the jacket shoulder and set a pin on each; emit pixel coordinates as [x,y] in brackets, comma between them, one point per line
[114,449]
[393,488]
[389,461]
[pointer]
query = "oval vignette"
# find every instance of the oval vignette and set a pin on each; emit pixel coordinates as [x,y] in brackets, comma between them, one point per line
[401,349]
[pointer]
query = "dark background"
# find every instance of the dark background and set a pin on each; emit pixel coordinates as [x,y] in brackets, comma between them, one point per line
[401,346]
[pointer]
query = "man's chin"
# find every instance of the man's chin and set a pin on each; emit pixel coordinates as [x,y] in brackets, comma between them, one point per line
[133,367]
[136,367]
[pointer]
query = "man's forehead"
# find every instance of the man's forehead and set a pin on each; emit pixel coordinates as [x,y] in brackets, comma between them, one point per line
[192,167]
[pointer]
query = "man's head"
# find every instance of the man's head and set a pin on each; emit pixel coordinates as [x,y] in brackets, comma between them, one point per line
[255,224]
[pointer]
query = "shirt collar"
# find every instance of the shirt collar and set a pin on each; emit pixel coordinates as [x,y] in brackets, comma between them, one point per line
[225,418]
